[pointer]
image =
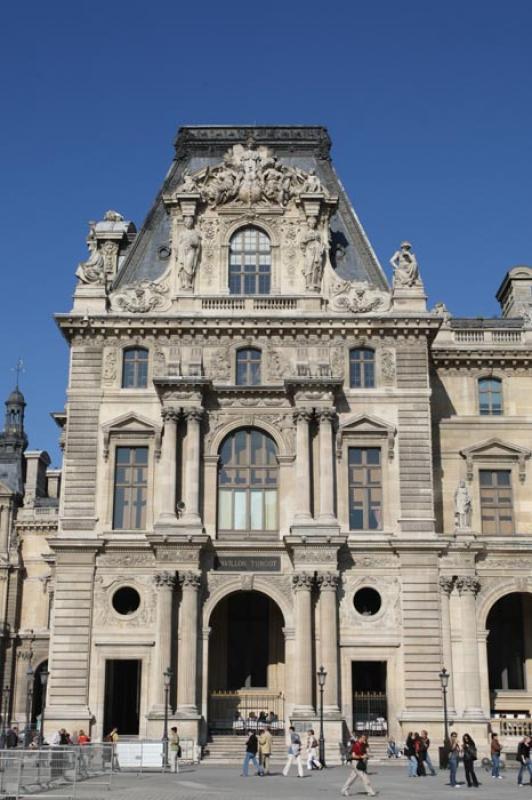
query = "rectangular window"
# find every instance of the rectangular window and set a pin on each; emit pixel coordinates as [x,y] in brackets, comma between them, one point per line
[131,478]
[496,503]
[365,489]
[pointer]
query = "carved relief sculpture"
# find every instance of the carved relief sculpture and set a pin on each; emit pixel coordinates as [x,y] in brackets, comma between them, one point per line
[405,267]
[462,507]
[189,253]
[313,248]
[92,271]
[142,298]
[358,297]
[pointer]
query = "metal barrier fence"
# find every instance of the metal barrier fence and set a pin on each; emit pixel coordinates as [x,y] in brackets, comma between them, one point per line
[59,770]
[148,755]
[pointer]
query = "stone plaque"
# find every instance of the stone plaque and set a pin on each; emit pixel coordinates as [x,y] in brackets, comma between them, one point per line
[248,563]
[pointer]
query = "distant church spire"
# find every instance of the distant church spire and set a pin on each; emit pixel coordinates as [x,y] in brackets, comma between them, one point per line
[15,405]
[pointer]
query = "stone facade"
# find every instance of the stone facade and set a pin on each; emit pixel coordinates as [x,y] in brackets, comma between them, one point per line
[187,295]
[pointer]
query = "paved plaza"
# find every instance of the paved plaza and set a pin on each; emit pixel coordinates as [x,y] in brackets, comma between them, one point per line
[202,782]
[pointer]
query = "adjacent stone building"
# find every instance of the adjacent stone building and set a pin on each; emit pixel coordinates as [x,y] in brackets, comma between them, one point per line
[273,461]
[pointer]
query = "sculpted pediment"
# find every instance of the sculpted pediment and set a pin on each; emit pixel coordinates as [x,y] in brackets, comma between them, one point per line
[498,451]
[130,425]
[366,425]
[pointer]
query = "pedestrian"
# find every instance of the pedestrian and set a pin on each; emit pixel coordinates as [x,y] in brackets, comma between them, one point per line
[112,737]
[359,766]
[294,752]
[392,751]
[83,738]
[252,746]
[265,749]
[469,753]
[523,757]
[12,737]
[426,757]
[175,748]
[410,753]
[312,751]
[454,757]
[495,751]
[418,749]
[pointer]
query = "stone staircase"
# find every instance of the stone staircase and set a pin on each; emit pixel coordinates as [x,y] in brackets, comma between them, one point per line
[230,749]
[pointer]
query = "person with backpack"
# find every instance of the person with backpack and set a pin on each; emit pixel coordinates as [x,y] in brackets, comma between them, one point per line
[294,752]
[469,753]
[359,766]
[523,759]
[312,752]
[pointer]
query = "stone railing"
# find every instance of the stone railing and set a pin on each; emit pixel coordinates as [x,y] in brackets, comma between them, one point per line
[507,726]
[249,303]
[477,336]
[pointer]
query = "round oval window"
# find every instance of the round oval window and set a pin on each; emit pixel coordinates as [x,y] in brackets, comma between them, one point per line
[367,601]
[126,600]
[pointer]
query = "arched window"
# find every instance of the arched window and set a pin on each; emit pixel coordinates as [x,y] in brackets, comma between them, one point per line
[362,368]
[248,367]
[247,482]
[490,396]
[135,368]
[250,262]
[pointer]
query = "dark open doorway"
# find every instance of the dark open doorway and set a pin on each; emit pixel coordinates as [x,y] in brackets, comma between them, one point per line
[369,697]
[122,696]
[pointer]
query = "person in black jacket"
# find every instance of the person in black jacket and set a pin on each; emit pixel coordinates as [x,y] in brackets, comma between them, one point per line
[252,745]
[523,757]
[469,752]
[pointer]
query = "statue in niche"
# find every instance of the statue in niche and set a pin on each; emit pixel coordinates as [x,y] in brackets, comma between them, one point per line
[190,250]
[92,270]
[462,507]
[314,252]
[405,267]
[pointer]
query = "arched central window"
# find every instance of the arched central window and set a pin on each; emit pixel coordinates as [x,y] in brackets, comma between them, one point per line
[247,482]
[250,262]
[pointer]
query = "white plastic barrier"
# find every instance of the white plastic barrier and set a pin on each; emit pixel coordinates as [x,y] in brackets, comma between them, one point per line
[149,754]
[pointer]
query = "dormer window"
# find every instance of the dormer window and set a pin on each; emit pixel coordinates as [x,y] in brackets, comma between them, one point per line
[250,262]
[135,368]
[248,367]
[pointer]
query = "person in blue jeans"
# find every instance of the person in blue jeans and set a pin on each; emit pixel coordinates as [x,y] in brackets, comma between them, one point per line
[496,748]
[252,746]
[523,757]
[454,755]
[410,753]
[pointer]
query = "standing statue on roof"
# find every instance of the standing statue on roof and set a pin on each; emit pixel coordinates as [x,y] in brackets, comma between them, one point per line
[405,267]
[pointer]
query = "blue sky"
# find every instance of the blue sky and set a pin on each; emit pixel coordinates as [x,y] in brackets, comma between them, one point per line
[429,105]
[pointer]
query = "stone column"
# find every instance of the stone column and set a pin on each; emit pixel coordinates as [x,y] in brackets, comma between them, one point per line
[303,662]
[302,417]
[326,417]
[468,587]
[165,583]
[447,586]
[191,515]
[328,583]
[167,472]
[188,644]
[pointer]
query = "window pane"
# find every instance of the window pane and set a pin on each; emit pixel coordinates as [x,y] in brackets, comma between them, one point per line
[365,488]
[224,509]
[270,502]
[257,523]
[250,256]
[240,522]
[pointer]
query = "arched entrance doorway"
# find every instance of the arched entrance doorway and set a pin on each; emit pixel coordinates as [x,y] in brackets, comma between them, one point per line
[246,662]
[509,646]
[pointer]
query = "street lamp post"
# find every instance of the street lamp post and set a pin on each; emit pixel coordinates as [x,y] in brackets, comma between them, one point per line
[44,674]
[5,713]
[444,681]
[322,675]
[167,679]
[29,704]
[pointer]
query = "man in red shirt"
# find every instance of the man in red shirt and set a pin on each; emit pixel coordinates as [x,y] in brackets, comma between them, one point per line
[359,766]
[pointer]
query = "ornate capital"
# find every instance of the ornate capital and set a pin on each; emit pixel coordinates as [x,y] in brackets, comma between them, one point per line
[170,414]
[168,579]
[303,414]
[193,414]
[326,415]
[468,585]
[189,580]
[302,580]
[446,584]
[328,581]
